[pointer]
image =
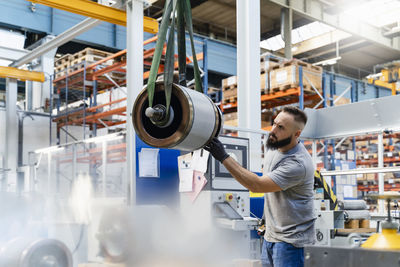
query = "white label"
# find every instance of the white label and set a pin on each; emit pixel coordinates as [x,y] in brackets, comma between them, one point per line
[281,76]
[228,106]
[231,80]
[149,162]
[350,154]
[390,154]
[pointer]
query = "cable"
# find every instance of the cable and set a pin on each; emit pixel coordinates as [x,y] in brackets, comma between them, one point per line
[78,244]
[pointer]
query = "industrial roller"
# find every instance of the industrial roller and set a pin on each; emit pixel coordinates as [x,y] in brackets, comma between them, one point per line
[22,252]
[192,121]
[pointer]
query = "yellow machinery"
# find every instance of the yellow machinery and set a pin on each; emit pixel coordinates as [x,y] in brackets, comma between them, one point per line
[389,76]
[389,238]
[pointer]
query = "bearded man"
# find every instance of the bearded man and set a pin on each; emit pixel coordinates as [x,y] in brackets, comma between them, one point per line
[288,182]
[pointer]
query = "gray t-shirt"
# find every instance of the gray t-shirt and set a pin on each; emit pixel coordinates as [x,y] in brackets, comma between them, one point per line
[289,214]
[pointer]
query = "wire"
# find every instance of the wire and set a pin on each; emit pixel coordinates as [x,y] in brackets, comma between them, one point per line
[78,244]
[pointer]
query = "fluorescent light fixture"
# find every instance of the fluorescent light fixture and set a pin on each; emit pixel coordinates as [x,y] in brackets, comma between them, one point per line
[49,149]
[374,76]
[104,138]
[300,34]
[330,61]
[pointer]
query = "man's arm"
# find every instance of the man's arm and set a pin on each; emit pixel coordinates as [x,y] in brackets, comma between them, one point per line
[251,181]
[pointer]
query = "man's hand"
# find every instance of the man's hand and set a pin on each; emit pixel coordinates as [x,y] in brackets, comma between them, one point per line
[216,148]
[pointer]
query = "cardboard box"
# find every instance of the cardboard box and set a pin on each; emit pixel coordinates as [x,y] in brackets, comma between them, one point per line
[230,81]
[286,76]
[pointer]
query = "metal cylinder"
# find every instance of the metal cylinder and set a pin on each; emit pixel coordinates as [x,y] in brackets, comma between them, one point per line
[195,119]
[21,252]
[353,205]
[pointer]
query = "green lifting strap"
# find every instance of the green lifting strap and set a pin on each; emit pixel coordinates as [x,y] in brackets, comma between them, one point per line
[179,11]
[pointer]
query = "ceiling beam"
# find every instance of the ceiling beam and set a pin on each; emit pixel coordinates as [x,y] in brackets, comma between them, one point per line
[315,10]
[97,11]
[296,24]
[319,41]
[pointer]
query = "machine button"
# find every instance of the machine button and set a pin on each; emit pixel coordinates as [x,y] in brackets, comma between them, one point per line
[228,197]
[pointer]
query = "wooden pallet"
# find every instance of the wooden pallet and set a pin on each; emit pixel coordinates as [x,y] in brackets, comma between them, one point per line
[89,59]
[62,60]
[308,90]
[272,62]
[230,87]
[90,51]
[231,99]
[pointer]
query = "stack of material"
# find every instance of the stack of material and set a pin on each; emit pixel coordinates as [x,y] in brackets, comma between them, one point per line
[267,63]
[88,56]
[229,85]
[61,65]
[286,76]
[356,214]
[72,62]
[229,90]
[231,119]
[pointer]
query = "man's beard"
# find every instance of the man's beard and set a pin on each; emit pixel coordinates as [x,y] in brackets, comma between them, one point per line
[278,144]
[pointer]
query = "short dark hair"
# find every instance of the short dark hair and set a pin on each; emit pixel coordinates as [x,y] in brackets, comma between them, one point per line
[297,113]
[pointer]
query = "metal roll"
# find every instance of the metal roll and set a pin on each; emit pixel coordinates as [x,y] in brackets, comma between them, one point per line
[353,205]
[357,215]
[21,252]
[194,120]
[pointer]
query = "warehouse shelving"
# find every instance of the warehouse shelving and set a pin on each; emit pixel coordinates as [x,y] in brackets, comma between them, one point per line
[93,78]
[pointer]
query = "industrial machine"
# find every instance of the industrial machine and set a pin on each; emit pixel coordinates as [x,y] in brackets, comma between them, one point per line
[331,216]
[381,249]
[224,203]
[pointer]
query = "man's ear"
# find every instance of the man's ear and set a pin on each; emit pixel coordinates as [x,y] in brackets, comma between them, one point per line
[297,133]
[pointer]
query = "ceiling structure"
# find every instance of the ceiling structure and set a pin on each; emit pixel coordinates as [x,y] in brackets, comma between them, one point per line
[356,45]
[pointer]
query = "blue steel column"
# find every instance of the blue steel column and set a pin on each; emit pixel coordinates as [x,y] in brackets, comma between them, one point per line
[94,131]
[84,100]
[66,103]
[301,97]
[205,66]
[51,107]
[325,105]
[332,141]
[353,99]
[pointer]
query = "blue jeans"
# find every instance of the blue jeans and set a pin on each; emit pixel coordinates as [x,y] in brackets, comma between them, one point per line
[281,254]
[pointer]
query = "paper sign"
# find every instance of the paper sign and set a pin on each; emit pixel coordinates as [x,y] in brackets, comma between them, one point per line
[199,181]
[185,173]
[348,191]
[148,162]
[200,160]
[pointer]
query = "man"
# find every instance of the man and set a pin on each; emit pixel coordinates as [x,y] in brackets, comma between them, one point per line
[287,181]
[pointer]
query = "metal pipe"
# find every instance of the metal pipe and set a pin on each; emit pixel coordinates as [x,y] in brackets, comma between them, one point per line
[361,171]
[381,202]
[61,39]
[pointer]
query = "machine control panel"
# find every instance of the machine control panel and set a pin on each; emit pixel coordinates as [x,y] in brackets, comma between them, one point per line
[218,176]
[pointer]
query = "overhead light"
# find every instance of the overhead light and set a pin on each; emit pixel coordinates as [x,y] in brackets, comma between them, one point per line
[104,138]
[294,48]
[325,62]
[374,76]
[49,149]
